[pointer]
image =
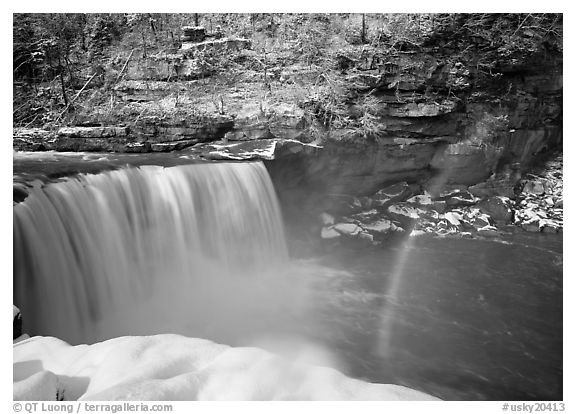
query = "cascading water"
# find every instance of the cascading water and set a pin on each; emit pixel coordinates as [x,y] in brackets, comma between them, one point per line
[190,249]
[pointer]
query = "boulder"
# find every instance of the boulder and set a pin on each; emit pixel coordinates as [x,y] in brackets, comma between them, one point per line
[489,231]
[404,210]
[481,220]
[404,213]
[453,218]
[366,216]
[351,234]
[499,208]
[548,226]
[526,214]
[445,191]
[444,227]
[393,193]
[365,239]
[439,206]
[328,233]
[381,228]
[348,229]
[421,200]
[531,225]
[461,198]
[535,187]
[382,225]
[16,323]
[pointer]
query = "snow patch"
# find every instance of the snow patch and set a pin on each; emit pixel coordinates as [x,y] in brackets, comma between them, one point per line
[175,367]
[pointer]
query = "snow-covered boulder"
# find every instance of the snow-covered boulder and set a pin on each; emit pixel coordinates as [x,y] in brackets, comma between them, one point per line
[174,367]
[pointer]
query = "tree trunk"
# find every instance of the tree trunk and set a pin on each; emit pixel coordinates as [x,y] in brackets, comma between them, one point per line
[62,84]
[153,27]
[363,35]
[69,70]
[144,44]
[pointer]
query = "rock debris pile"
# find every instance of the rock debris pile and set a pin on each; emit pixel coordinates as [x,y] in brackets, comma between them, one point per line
[403,208]
[540,204]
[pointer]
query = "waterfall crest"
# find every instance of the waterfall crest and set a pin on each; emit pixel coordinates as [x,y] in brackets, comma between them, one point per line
[129,251]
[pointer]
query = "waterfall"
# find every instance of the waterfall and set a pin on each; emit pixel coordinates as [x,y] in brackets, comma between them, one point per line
[189,249]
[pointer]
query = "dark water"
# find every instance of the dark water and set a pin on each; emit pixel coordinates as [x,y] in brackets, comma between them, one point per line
[46,166]
[459,319]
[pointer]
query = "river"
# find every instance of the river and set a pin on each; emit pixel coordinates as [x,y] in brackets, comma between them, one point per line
[461,319]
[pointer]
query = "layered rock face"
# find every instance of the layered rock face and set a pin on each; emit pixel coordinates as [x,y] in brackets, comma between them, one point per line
[461,161]
[426,131]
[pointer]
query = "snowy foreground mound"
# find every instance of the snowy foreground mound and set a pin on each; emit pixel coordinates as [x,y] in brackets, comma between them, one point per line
[174,367]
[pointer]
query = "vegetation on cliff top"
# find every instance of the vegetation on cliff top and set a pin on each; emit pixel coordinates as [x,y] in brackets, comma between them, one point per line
[67,67]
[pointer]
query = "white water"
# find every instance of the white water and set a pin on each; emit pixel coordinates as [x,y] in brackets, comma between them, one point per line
[196,249]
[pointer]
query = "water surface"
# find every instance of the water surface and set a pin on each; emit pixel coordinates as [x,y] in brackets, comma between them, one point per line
[459,319]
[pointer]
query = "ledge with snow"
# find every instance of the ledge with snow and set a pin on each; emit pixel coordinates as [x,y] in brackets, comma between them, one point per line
[178,368]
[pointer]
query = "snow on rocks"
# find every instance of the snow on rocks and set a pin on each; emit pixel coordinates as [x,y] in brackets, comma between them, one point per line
[349,232]
[392,193]
[348,229]
[535,187]
[174,367]
[453,218]
[539,206]
[382,226]
[462,198]
[261,149]
[403,211]
[489,231]
[408,209]
[329,233]
[422,199]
